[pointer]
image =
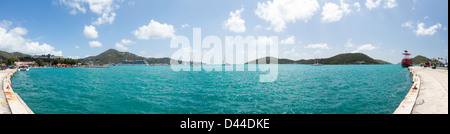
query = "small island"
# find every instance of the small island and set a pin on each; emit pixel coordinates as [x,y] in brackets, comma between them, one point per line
[341,59]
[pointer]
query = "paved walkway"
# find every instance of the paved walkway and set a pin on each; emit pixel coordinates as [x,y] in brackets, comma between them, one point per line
[4,107]
[433,92]
[10,102]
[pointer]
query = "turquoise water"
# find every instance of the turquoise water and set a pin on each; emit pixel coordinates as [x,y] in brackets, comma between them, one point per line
[299,89]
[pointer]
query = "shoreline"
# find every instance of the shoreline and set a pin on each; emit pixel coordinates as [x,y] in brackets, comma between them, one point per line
[429,93]
[10,102]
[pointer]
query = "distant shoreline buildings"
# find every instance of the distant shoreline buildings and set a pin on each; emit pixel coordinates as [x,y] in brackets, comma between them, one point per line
[47,57]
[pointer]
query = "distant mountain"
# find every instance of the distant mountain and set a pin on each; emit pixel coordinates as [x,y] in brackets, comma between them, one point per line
[268,59]
[348,58]
[420,59]
[114,56]
[6,55]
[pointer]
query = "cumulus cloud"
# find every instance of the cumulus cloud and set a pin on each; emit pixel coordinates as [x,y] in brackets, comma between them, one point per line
[422,31]
[289,41]
[95,44]
[358,6]
[104,8]
[390,4]
[121,45]
[280,12]
[13,40]
[366,47]
[154,30]
[235,23]
[90,32]
[408,24]
[5,24]
[332,12]
[318,46]
[371,4]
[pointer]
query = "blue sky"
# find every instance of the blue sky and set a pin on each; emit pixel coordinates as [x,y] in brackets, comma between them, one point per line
[76,28]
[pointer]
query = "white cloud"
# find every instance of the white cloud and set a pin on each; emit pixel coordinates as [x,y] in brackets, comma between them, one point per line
[370,4]
[408,24]
[90,32]
[280,12]
[127,42]
[105,18]
[289,41]
[5,24]
[332,12]
[358,6]
[77,47]
[345,7]
[104,8]
[390,4]
[421,31]
[121,45]
[95,44]
[185,26]
[154,30]
[318,46]
[235,23]
[366,47]
[349,43]
[13,41]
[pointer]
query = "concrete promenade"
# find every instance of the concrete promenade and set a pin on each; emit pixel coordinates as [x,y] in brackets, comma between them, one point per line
[429,94]
[10,102]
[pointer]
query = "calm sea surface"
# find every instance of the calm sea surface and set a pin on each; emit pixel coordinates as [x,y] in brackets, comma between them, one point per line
[299,89]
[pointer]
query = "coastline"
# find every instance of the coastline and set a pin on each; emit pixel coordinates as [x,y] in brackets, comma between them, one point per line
[10,102]
[429,93]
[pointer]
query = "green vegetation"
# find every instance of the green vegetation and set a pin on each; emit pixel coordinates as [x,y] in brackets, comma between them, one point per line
[10,58]
[114,57]
[268,59]
[10,61]
[420,59]
[5,55]
[341,59]
[111,56]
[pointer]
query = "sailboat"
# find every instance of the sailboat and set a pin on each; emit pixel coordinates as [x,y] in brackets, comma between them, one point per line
[316,63]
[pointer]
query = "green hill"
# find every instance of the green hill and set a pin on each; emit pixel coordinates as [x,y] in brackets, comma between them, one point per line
[268,59]
[6,55]
[420,59]
[114,56]
[111,56]
[348,58]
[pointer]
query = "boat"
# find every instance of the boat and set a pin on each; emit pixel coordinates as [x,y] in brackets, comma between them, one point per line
[316,62]
[133,63]
[23,68]
[406,62]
